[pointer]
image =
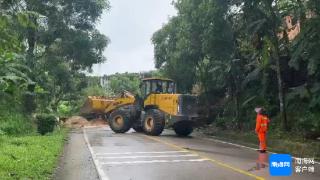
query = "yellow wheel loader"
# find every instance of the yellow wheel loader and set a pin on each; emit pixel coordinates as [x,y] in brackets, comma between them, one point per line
[158,107]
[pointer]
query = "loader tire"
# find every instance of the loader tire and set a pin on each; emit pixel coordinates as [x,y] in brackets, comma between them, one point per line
[154,122]
[183,128]
[120,121]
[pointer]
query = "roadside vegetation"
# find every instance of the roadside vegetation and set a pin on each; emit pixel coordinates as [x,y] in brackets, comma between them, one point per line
[241,54]
[30,156]
[46,46]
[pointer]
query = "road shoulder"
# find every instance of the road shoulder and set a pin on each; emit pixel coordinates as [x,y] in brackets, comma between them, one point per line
[76,162]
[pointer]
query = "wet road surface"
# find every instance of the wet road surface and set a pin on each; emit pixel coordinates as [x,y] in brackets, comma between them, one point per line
[76,162]
[135,156]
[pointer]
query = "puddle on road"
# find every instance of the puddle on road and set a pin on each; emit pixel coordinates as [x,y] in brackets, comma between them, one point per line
[261,162]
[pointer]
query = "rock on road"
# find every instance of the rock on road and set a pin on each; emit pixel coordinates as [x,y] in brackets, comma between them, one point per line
[135,156]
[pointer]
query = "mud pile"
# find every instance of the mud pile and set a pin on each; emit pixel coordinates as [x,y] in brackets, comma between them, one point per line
[76,122]
[79,122]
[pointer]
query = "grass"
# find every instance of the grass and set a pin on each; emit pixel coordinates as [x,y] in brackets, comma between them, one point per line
[30,156]
[280,143]
[15,124]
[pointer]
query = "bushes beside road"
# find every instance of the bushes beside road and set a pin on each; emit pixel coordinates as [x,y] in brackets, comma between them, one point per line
[25,154]
[15,124]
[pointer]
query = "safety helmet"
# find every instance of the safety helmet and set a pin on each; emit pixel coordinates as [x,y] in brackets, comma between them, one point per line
[258,109]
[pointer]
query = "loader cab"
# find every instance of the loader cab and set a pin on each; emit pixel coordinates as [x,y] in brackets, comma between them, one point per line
[157,86]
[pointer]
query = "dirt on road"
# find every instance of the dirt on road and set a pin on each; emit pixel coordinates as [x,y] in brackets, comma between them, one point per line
[79,122]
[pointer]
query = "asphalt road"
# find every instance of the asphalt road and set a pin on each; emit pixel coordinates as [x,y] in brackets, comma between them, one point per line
[135,156]
[76,162]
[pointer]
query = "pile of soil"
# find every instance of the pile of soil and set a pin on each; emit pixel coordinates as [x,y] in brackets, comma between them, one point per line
[76,122]
[79,122]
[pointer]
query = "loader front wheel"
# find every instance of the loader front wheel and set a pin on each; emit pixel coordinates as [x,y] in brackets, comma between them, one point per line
[120,121]
[154,122]
[183,128]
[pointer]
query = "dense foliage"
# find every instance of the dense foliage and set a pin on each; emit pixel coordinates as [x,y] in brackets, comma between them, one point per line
[45,48]
[46,123]
[116,83]
[237,55]
[126,81]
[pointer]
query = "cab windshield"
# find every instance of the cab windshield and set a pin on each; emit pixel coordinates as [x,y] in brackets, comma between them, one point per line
[158,86]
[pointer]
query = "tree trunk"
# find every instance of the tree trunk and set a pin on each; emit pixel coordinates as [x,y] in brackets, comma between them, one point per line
[281,94]
[237,103]
[31,46]
[31,39]
[281,97]
[276,56]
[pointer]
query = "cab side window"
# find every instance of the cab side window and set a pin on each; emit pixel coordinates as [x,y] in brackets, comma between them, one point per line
[148,88]
[143,89]
[171,88]
[153,86]
[165,87]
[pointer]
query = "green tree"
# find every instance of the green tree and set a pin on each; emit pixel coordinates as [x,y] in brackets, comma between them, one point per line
[13,74]
[239,54]
[50,42]
[117,83]
[65,43]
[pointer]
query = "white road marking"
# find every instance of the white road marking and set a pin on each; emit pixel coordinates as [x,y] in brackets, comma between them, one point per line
[146,152]
[136,157]
[238,145]
[154,161]
[224,142]
[101,173]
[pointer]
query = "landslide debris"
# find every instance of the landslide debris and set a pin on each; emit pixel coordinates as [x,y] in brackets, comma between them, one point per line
[79,122]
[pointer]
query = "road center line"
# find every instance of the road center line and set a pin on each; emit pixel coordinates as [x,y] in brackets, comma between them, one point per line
[136,157]
[205,157]
[154,161]
[146,152]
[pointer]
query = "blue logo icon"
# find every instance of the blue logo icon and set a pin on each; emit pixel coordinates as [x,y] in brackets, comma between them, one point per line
[280,165]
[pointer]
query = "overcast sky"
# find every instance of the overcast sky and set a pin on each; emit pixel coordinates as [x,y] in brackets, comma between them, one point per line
[130,24]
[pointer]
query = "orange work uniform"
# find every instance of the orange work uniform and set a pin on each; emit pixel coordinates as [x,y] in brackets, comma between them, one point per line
[262,122]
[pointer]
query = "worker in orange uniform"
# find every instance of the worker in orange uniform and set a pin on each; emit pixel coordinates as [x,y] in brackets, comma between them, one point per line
[262,122]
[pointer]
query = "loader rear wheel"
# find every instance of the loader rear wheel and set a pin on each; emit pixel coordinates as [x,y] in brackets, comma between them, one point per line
[154,122]
[120,121]
[183,128]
